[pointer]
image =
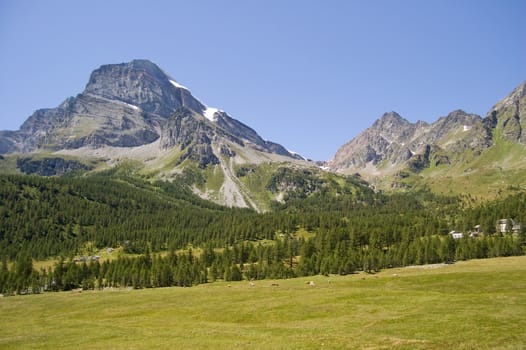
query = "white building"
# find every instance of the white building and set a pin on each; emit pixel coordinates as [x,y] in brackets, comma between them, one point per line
[456,235]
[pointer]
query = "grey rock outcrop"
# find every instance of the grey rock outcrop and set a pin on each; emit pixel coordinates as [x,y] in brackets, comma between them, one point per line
[193,136]
[509,115]
[143,84]
[393,141]
[388,138]
[50,166]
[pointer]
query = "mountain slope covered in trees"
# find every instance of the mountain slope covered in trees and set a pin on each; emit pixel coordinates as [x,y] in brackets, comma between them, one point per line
[169,236]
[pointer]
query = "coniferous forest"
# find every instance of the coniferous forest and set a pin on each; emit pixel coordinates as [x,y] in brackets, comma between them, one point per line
[167,236]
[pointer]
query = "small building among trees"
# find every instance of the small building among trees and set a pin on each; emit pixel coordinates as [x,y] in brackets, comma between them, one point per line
[456,235]
[475,232]
[508,226]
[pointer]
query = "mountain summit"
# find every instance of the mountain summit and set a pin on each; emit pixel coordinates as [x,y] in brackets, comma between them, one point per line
[509,115]
[143,84]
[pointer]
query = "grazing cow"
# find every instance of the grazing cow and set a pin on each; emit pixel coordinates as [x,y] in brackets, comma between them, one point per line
[311,283]
[252,284]
[275,284]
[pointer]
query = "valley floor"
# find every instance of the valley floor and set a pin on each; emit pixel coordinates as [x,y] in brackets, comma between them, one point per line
[477,304]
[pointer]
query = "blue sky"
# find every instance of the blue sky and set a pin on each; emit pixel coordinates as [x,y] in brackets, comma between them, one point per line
[310,75]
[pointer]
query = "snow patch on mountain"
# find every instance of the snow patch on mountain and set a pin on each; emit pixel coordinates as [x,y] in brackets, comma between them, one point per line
[296,154]
[177,85]
[210,112]
[132,106]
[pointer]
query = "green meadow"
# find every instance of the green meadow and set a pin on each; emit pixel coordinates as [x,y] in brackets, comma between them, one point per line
[477,304]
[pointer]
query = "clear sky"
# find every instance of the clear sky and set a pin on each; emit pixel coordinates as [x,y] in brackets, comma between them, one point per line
[310,75]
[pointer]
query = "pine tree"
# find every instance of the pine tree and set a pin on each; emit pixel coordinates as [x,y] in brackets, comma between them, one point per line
[4,276]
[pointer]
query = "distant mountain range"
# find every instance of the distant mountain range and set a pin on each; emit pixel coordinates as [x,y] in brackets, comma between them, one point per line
[134,115]
[459,153]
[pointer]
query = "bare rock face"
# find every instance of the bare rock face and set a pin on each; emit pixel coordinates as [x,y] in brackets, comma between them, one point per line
[387,138]
[9,141]
[122,105]
[243,132]
[509,115]
[193,135]
[89,120]
[196,136]
[392,141]
[143,84]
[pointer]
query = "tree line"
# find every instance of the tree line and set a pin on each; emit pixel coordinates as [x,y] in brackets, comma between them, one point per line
[282,258]
[357,230]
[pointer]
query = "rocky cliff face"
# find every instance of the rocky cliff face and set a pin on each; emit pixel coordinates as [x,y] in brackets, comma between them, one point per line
[392,141]
[192,135]
[387,138]
[509,115]
[243,132]
[142,84]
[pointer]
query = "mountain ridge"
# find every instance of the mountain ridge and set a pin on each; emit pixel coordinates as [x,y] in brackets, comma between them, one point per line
[394,152]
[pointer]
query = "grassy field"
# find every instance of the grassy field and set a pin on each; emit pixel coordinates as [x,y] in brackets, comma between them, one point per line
[479,304]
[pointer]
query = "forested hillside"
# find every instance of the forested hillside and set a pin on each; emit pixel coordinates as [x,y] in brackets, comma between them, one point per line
[168,236]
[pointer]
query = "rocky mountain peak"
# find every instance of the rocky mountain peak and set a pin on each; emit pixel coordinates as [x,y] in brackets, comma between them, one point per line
[143,84]
[393,128]
[457,119]
[122,69]
[517,99]
[392,141]
[509,115]
[456,115]
[389,120]
[518,93]
[385,136]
